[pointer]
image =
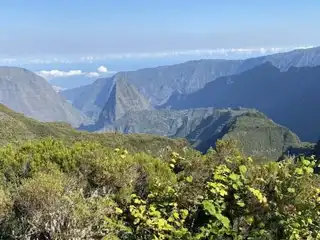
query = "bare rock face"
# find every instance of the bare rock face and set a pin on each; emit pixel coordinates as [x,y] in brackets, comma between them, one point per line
[30,94]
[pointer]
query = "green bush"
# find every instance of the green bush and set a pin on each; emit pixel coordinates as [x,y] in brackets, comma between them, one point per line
[84,190]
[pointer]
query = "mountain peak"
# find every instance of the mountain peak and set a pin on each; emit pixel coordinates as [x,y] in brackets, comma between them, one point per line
[123,98]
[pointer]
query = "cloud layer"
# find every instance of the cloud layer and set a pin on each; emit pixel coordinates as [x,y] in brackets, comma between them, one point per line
[50,74]
[205,53]
[215,53]
[57,73]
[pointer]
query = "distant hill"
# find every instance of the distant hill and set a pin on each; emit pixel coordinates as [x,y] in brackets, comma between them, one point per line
[160,83]
[16,128]
[30,94]
[255,133]
[290,98]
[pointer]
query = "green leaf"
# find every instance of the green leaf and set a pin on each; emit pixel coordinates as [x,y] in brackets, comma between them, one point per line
[309,170]
[234,176]
[224,220]
[189,179]
[243,169]
[241,203]
[119,211]
[209,207]
[223,192]
[299,171]
[305,162]
[176,215]
[235,186]
[136,221]
[291,190]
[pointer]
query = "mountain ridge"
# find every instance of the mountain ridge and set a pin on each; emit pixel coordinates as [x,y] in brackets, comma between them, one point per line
[158,84]
[287,97]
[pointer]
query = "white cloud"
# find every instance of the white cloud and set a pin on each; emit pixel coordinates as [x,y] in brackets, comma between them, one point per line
[102,69]
[57,73]
[50,74]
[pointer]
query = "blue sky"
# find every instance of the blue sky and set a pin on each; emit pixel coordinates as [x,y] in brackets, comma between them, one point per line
[79,35]
[88,27]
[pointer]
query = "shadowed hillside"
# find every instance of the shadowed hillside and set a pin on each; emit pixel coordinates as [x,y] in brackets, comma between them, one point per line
[289,98]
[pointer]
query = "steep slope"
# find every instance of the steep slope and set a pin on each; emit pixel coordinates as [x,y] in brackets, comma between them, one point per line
[90,99]
[158,84]
[123,98]
[289,98]
[16,128]
[254,132]
[30,94]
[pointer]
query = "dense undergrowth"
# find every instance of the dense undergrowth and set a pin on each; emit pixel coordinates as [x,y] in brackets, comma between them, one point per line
[53,190]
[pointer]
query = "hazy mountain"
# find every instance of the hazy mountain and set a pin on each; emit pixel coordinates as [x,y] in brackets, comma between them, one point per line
[289,98]
[90,99]
[158,84]
[254,132]
[30,94]
[123,98]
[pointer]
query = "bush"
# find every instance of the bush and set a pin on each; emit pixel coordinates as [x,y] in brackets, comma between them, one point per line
[51,190]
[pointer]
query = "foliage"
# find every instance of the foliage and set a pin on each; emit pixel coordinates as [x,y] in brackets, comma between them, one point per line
[84,190]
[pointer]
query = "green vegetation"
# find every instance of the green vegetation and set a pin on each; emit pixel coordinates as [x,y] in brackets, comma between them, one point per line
[85,190]
[16,128]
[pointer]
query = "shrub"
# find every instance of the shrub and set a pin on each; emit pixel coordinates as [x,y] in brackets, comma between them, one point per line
[53,190]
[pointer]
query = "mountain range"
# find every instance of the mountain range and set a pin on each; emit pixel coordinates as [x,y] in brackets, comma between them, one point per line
[158,84]
[262,102]
[283,86]
[289,98]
